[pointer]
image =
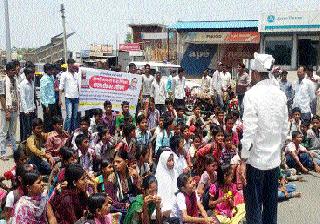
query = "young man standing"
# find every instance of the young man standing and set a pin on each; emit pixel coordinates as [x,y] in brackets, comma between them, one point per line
[178,86]
[159,93]
[9,106]
[265,120]
[70,83]
[205,81]
[147,80]
[286,87]
[304,94]
[28,107]
[216,86]
[47,96]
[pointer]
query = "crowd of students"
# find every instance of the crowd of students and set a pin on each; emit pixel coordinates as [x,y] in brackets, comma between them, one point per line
[154,166]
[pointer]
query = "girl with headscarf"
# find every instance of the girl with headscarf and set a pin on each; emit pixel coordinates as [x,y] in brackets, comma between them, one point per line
[167,180]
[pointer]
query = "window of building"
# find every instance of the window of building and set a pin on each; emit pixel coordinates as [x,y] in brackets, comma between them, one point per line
[280,48]
[308,50]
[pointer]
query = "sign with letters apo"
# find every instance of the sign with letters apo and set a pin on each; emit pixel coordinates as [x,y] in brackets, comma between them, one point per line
[97,86]
[197,58]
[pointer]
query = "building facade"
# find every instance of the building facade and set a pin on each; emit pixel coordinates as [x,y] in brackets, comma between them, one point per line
[202,45]
[293,38]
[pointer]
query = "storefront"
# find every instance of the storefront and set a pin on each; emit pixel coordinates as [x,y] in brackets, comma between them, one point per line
[293,38]
[201,45]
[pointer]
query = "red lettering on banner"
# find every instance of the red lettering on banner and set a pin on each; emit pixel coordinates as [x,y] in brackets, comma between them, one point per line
[108,83]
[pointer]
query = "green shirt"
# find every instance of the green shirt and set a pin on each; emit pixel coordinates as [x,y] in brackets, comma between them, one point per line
[120,120]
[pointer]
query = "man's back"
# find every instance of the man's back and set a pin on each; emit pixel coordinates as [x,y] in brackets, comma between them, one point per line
[265,124]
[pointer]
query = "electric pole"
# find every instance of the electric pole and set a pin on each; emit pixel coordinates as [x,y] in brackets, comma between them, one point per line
[8,39]
[64,33]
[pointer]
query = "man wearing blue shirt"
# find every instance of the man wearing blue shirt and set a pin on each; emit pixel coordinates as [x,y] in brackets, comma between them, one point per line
[47,96]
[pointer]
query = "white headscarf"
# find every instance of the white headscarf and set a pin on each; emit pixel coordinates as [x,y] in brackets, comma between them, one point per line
[167,181]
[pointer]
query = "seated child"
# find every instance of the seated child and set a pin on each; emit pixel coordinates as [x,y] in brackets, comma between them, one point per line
[304,130]
[170,111]
[101,180]
[287,190]
[238,125]
[176,145]
[84,129]
[96,120]
[298,156]
[109,117]
[313,134]
[224,200]
[68,156]
[181,117]
[230,156]
[19,158]
[143,135]
[196,117]
[57,138]
[35,146]
[232,102]
[104,149]
[86,155]
[17,190]
[143,158]
[153,116]
[209,176]
[99,205]
[125,112]
[144,205]
[294,122]
[187,206]
[229,124]
[218,119]
[195,145]
[128,141]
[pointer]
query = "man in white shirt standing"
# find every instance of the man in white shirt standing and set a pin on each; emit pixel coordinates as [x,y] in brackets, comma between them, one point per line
[225,78]
[27,101]
[159,93]
[147,80]
[178,86]
[70,83]
[265,122]
[205,81]
[315,81]
[216,86]
[304,94]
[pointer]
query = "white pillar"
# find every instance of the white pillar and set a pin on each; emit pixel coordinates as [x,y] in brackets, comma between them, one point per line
[8,39]
[294,54]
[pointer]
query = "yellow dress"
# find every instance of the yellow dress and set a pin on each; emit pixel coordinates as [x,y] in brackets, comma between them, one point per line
[239,215]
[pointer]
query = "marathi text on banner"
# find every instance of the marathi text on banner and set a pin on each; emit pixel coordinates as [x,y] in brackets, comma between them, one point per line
[97,86]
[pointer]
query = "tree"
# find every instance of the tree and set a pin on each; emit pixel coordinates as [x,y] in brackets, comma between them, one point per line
[129,38]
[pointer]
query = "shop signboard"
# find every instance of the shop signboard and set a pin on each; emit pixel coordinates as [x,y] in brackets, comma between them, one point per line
[296,21]
[130,47]
[154,36]
[220,37]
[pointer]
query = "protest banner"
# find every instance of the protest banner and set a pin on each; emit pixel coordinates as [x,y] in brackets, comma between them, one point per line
[98,86]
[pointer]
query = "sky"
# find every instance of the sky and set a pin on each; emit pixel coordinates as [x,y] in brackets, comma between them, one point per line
[34,22]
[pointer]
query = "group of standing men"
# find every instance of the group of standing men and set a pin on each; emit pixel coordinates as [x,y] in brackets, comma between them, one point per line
[18,99]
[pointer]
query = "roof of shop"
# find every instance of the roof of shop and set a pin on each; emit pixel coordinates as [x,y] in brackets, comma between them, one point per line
[230,24]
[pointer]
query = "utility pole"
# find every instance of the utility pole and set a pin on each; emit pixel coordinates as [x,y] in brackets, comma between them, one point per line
[64,33]
[8,39]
